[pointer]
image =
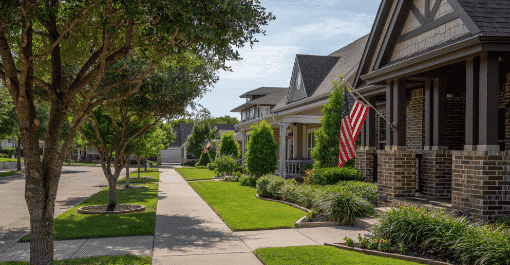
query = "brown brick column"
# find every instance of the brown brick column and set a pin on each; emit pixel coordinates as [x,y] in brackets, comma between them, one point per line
[396,174]
[481,183]
[437,173]
[365,162]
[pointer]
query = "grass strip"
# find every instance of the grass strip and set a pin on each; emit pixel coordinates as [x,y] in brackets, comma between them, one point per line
[151,175]
[321,255]
[241,210]
[72,225]
[104,260]
[195,173]
[10,173]
[3,159]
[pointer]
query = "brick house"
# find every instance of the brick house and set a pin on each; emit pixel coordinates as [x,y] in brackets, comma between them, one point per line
[439,70]
[294,112]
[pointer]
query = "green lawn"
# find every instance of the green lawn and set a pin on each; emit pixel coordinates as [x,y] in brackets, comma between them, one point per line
[241,210]
[71,225]
[121,260]
[151,175]
[3,159]
[10,173]
[321,255]
[81,164]
[195,173]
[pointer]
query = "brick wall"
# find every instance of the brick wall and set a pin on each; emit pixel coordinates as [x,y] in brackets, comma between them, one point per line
[504,98]
[365,162]
[437,173]
[396,173]
[456,123]
[481,183]
[415,120]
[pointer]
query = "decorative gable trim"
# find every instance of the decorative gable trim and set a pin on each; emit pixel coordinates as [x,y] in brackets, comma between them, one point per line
[296,93]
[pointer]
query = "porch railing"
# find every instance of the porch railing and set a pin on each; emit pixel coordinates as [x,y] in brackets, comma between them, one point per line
[294,166]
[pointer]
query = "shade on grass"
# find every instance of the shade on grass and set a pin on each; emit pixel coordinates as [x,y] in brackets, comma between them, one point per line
[241,210]
[195,173]
[10,173]
[71,224]
[121,260]
[151,175]
[321,255]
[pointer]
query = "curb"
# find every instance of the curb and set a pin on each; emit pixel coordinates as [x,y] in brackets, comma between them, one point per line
[388,255]
[301,222]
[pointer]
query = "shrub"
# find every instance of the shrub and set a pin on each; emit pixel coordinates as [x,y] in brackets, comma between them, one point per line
[204,159]
[246,181]
[213,151]
[9,151]
[268,185]
[228,179]
[196,140]
[305,167]
[456,237]
[344,206]
[261,155]
[210,166]
[329,176]
[365,190]
[224,164]
[190,163]
[229,146]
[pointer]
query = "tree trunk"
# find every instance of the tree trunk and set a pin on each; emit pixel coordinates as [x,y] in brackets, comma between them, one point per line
[138,161]
[145,164]
[127,173]
[18,151]
[41,240]
[112,195]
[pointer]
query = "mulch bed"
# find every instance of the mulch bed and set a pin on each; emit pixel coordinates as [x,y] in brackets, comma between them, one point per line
[123,186]
[119,208]
[416,253]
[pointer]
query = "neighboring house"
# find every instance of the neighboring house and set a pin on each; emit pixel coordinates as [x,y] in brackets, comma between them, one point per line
[9,143]
[440,72]
[176,153]
[294,112]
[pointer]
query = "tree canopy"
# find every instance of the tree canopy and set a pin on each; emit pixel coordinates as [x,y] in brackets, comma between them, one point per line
[196,141]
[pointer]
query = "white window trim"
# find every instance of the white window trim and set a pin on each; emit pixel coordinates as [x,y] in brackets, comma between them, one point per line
[308,149]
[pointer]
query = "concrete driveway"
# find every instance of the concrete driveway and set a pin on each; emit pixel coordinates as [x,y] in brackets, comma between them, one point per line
[76,184]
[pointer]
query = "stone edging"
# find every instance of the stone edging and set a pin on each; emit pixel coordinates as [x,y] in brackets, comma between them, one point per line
[301,222]
[83,210]
[387,254]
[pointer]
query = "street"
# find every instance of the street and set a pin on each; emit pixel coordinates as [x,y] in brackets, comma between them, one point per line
[76,184]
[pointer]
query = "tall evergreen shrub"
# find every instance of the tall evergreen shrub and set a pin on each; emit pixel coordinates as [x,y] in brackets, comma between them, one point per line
[204,159]
[198,138]
[261,155]
[229,145]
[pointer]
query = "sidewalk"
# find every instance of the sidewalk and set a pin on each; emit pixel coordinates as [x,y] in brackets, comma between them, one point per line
[188,231]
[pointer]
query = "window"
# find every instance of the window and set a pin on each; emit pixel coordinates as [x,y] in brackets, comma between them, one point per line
[299,81]
[243,116]
[382,133]
[252,113]
[310,141]
[247,138]
[264,111]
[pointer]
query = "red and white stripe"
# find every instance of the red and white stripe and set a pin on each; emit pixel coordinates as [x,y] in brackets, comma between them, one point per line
[349,131]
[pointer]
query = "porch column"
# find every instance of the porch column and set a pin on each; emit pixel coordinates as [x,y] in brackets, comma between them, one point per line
[243,133]
[294,141]
[389,114]
[370,125]
[362,135]
[364,158]
[472,103]
[399,114]
[488,103]
[439,114]
[305,147]
[283,143]
[429,122]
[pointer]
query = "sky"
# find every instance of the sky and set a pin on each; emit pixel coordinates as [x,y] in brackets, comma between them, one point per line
[314,27]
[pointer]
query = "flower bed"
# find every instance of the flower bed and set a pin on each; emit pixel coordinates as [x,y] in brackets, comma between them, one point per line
[419,229]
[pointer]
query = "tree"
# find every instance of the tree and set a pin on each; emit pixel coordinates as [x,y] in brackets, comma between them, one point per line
[213,151]
[325,151]
[261,156]
[204,159]
[151,144]
[38,39]
[200,133]
[229,145]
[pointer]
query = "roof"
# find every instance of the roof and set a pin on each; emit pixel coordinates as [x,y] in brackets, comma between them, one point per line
[270,99]
[490,16]
[350,56]
[177,140]
[314,69]
[261,91]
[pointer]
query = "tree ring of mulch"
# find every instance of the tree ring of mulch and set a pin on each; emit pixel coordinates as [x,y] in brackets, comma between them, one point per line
[123,186]
[119,208]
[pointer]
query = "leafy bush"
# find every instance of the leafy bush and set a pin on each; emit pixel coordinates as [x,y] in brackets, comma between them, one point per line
[261,156]
[305,167]
[9,151]
[229,146]
[190,163]
[204,159]
[365,190]
[329,176]
[455,237]
[224,164]
[246,181]
[344,206]
[228,179]
[210,166]
[268,185]
[503,220]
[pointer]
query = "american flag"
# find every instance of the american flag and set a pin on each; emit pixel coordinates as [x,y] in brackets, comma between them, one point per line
[349,131]
[207,145]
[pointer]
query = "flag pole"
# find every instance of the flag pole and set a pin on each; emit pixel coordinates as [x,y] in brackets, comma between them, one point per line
[350,89]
